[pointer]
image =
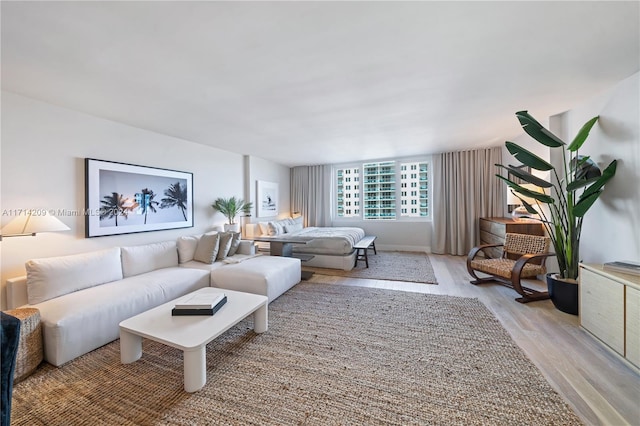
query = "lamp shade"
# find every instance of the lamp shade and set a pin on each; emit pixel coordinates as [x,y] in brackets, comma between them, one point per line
[31,224]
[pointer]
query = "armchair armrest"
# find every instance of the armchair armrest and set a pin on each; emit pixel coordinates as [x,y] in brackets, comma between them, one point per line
[526,258]
[474,251]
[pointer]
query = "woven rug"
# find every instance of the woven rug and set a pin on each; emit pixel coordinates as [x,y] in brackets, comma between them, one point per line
[388,265]
[332,355]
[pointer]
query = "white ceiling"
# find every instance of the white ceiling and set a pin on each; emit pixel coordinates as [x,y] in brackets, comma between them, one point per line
[320,82]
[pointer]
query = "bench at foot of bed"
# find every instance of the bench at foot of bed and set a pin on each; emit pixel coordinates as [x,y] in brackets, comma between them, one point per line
[362,247]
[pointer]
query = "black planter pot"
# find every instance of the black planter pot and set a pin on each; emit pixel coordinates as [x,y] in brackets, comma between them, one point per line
[564,295]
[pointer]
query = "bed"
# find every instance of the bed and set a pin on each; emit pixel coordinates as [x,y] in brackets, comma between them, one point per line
[331,247]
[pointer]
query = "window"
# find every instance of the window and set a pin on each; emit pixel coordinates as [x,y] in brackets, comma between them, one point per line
[347,192]
[383,191]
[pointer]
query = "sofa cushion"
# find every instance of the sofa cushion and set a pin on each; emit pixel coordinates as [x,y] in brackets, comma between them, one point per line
[55,276]
[137,260]
[267,275]
[207,249]
[187,247]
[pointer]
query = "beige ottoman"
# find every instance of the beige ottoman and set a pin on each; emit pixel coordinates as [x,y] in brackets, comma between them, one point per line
[30,353]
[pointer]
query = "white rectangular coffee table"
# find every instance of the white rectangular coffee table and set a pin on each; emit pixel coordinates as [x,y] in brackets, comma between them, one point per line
[191,333]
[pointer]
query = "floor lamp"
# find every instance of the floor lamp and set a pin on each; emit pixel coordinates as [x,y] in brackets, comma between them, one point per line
[32,223]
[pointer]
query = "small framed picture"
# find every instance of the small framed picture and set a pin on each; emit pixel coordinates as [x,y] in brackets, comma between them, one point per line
[267,205]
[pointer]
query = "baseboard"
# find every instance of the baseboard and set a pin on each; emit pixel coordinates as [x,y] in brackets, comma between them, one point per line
[393,247]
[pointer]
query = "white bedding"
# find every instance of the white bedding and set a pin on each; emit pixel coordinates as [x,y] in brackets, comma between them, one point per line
[325,240]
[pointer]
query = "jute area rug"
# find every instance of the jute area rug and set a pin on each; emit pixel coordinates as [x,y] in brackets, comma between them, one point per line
[388,265]
[332,355]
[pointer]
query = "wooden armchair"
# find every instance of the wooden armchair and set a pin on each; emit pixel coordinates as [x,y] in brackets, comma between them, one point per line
[523,256]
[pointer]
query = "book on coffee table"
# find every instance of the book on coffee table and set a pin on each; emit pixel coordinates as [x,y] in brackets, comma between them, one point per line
[200,301]
[200,306]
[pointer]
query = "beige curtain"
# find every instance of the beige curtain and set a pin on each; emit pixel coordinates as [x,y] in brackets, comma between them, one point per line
[310,194]
[465,189]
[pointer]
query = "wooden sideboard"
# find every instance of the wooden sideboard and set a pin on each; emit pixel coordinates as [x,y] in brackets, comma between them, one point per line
[494,229]
[610,309]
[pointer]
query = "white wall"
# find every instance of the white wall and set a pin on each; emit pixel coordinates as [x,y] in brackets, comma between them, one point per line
[611,228]
[43,151]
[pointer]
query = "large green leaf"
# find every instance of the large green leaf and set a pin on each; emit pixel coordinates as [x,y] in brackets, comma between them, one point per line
[537,130]
[526,176]
[527,157]
[543,198]
[607,174]
[577,184]
[581,137]
[582,206]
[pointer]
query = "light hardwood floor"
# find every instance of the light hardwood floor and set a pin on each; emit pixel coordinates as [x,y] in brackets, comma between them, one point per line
[602,388]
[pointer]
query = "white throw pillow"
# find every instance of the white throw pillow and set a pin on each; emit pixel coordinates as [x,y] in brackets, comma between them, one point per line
[138,260]
[293,228]
[56,276]
[187,247]
[264,228]
[207,249]
[298,220]
[275,228]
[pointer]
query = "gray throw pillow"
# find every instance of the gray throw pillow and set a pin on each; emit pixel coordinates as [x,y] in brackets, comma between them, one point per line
[207,250]
[225,244]
[235,243]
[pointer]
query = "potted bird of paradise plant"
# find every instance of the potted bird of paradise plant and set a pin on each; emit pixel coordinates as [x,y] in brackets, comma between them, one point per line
[568,194]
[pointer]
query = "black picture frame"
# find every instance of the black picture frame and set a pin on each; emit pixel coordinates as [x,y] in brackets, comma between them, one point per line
[122,198]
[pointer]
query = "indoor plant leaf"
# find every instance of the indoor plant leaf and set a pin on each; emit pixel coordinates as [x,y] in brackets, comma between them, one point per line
[543,198]
[537,131]
[607,174]
[526,176]
[581,137]
[577,184]
[527,157]
[585,203]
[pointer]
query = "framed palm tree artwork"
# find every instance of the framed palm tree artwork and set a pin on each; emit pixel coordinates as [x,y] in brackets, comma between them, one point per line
[123,198]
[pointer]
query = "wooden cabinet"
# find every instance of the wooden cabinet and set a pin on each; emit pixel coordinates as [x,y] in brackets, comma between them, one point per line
[494,229]
[610,309]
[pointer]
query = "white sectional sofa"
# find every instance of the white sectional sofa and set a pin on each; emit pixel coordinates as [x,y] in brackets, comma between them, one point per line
[82,298]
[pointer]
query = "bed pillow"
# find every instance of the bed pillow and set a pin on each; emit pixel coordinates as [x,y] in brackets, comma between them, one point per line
[275,228]
[207,250]
[293,228]
[264,228]
[298,220]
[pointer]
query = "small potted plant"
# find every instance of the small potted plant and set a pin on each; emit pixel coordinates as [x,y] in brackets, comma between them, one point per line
[569,194]
[231,207]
